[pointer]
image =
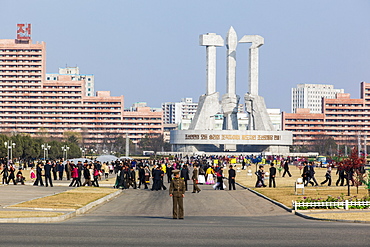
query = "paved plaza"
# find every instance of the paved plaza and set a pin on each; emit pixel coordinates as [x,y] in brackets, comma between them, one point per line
[212,218]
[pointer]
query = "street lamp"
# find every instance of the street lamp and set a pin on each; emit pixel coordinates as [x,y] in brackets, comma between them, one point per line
[83,152]
[45,147]
[9,146]
[65,149]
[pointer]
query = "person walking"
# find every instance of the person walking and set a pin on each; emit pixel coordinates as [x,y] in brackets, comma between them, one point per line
[47,169]
[194,177]
[286,169]
[243,164]
[169,170]
[96,174]
[312,175]
[87,175]
[272,176]
[306,174]
[38,175]
[327,176]
[209,175]
[32,175]
[157,174]
[68,169]
[220,182]
[141,177]
[55,170]
[80,170]
[184,174]
[232,175]
[74,175]
[60,168]
[132,178]
[260,177]
[5,173]
[11,175]
[341,175]
[146,176]
[177,192]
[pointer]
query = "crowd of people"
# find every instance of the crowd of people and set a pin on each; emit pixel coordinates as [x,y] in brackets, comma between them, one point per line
[346,176]
[153,174]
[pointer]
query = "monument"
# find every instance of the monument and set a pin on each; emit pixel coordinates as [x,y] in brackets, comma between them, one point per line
[259,136]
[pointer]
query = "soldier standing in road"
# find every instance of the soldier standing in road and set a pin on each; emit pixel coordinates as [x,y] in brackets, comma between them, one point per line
[177,192]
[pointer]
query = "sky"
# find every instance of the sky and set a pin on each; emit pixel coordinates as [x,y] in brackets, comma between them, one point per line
[148,50]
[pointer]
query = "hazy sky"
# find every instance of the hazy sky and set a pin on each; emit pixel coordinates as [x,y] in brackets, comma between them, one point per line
[149,50]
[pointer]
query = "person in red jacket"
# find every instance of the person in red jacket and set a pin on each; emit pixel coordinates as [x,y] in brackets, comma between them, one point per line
[74,175]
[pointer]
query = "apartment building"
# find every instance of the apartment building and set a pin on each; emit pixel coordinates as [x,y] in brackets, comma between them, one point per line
[76,76]
[30,103]
[342,118]
[309,96]
[175,112]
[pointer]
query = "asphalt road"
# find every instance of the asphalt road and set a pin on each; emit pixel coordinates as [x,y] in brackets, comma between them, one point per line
[212,218]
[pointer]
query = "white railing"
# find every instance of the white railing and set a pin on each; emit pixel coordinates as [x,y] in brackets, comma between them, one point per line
[346,204]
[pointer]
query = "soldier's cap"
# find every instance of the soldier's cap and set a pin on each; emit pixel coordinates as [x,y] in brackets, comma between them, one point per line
[175,172]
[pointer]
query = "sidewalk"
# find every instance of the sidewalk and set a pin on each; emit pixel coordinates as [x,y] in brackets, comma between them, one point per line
[14,194]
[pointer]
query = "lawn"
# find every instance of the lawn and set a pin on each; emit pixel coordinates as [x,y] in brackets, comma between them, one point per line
[285,193]
[72,199]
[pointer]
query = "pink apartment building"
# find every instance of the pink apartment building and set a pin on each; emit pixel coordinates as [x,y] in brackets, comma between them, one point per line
[30,104]
[344,119]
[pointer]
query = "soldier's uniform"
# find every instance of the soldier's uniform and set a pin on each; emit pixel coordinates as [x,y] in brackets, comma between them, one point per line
[177,190]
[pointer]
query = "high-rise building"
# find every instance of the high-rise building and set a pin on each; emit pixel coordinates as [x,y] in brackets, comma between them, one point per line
[343,119]
[310,95]
[31,104]
[74,72]
[175,112]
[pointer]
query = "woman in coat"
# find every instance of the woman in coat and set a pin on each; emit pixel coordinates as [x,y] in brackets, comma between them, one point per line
[74,175]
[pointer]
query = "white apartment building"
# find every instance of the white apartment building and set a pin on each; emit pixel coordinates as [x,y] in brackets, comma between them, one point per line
[76,76]
[310,96]
[175,112]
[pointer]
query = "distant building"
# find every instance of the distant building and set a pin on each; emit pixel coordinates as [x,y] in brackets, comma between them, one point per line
[275,116]
[166,131]
[310,95]
[74,72]
[30,103]
[175,112]
[343,119]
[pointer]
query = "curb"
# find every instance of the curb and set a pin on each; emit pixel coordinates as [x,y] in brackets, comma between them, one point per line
[298,213]
[267,198]
[79,211]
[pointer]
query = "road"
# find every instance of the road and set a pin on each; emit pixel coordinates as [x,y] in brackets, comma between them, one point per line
[212,218]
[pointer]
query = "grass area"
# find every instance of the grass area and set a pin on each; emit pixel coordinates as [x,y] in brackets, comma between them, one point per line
[358,216]
[72,199]
[284,191]
[27,214]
